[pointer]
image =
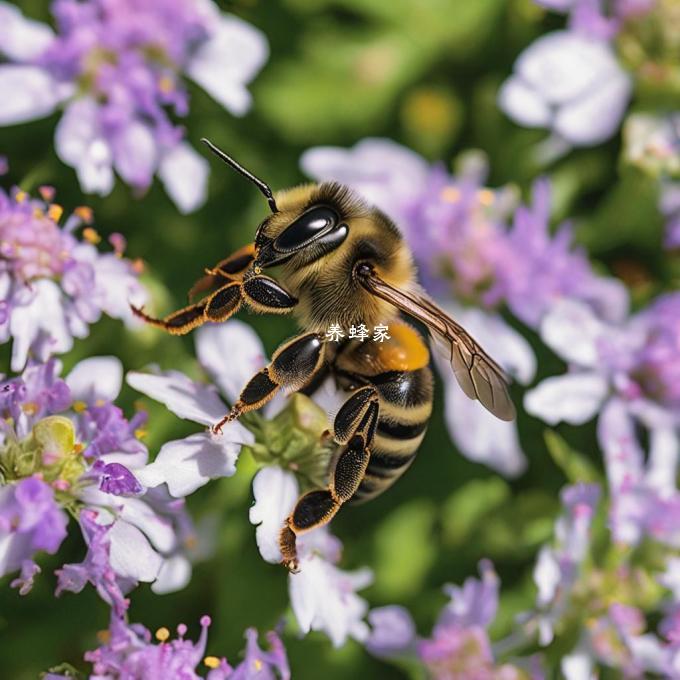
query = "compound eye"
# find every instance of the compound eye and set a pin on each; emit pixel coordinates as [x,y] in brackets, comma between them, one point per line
[306,228]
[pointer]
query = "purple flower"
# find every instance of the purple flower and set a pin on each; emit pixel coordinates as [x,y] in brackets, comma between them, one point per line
[459,648]
[670,208]
[598,18]
[30,520]
[570,83]
[557,567]
[53,286]
[130,652]
[67,437]
[537,268]
[117,67]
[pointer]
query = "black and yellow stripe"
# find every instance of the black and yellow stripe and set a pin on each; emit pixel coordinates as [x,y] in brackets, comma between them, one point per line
[405,406]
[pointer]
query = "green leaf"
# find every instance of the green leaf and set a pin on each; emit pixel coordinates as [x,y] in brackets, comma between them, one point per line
[576,467]
[465,508]
[405,550]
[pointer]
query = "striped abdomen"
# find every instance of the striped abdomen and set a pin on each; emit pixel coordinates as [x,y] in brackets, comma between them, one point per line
[405,409]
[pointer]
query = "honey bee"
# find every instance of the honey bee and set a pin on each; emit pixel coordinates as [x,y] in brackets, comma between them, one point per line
[343,262]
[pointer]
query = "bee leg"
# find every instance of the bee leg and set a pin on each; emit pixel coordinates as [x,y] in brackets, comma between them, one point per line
[354,426]
[218,307]
[263,294]
[231,268]
[292,366]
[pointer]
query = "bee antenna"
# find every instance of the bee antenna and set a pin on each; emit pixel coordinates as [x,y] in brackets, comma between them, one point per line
[262,186]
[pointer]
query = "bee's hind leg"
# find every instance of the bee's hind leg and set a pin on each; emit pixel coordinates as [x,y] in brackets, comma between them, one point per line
[292,366]
[354,428]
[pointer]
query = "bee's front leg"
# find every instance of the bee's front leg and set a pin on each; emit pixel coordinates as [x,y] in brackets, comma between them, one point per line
[354,427]
[293,365]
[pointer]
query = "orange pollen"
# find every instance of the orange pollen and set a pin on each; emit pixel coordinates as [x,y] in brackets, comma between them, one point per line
[104,636]
[91,235]
[451,194]
[84,213]
[55,211]
[166,84]
[211,661]
[162,634]
[78,448]
[486,197]
[30,408]
[79,406]
[138,266]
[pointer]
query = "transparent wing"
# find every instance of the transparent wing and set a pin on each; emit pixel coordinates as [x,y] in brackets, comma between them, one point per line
[478,375]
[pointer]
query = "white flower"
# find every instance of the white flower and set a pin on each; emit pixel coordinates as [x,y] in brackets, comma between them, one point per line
[323,596]
[570,83]
[226,351]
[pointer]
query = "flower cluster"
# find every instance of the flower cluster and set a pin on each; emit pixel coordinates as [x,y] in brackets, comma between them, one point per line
[116,67]
[53,285]
[129,652]
[66,449]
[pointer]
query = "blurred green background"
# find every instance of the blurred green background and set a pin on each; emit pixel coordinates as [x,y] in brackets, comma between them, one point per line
[422,72]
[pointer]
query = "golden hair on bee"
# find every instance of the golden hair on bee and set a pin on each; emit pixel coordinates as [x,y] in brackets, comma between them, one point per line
[340,262]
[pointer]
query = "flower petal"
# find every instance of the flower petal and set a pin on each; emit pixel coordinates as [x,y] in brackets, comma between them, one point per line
[181,395]
[29,93]
[231,353]
[323,598]
[22,39]
[275,491]
[663,460]
[187,464]
[158,529]
[563,65]
[595,118]
[131,554]
[228,60]
[175,574]
[523,104]
[96,378]
[43,318]
[379,169]
[135,154]
[572,331]
[79,143]
[392,631]
[574,398]
[184,174]
[481,436]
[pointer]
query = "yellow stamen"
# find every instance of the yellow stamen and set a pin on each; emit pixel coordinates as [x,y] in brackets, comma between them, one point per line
[84,213]
[37,212]
[211,661]
[257,664]
[104,636]
[20,196]
[485,196]
[100,402]
[30,408]
[140,433]
[79,406]
[55,211]
[78,448]
[162,634]
[91,235]
[166,84]
[190,542]
[451,194]
[138,266]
